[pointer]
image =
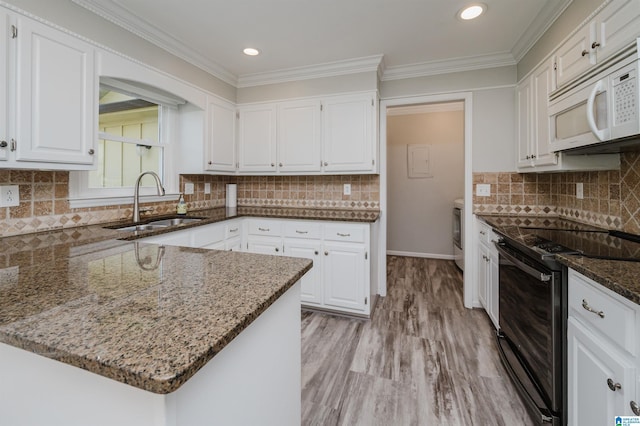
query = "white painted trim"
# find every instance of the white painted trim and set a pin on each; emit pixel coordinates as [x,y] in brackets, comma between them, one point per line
[448,66]
[467,98]
[425,109]
[329,69]
[421,255]
[541,23]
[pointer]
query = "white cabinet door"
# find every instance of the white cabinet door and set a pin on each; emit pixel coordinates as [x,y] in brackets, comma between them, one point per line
[574,56]
[617,25]
[299,136]
[493,287]
[257,139]
[344,271]
[5,29]
[525,120]
[175,238]
[348,134]
[220,245]
[542,85]
[483,271]
[233,244]
[221,144]
[593,366]
[264,245]
[311,282]
[56,96]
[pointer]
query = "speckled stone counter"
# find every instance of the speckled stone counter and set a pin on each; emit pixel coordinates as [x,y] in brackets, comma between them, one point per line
[144,315]
[618,276]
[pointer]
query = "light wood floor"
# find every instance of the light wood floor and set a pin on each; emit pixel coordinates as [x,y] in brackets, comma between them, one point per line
[423,359]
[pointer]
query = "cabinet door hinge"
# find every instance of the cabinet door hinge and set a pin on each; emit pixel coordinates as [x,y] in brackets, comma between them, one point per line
[373,162]
[13,145]
[366,255]
[555,66]
[366,300]
[321,106]
[371,102]
[14,31]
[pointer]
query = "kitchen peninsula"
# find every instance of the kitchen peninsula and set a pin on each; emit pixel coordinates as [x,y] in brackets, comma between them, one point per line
[174,335]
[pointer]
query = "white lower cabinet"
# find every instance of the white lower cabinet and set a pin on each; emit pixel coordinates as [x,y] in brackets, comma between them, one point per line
[487,270]
[602,350]
[340,277]
[213,236]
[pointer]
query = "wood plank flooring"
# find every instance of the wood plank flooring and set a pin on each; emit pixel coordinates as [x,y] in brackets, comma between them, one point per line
[423,359]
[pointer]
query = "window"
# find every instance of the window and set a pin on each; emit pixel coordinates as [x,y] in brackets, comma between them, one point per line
[133,137]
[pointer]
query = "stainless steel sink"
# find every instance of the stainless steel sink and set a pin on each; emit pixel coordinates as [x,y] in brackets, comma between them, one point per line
[174,221]
[145,227]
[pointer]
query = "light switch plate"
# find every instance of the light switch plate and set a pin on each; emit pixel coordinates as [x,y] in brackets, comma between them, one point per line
[483,190]
[9,196]
[188,188]
[207,188]
[579,191]
[347,189]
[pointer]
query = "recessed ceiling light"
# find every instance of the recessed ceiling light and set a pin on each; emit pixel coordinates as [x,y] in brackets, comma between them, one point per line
[251,51]
[472,11]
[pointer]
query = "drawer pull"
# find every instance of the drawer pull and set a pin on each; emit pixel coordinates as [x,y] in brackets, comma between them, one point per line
[301,232]
[635,408]
[277,249]
[613,386]
[483,233]
[233,230]
[343,235]
[264,229]
[326,253]
[315,252]
[586,306]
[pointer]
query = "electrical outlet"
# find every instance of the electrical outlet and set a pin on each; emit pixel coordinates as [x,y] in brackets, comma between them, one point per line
[9,196]
[207,188]
[579,191]
[188,188]
[347,189]
[483,190]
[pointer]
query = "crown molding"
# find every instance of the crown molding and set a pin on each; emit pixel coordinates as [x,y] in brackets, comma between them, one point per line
[329,69]
[120,16]
[426,108]
[470,63]
[541,23]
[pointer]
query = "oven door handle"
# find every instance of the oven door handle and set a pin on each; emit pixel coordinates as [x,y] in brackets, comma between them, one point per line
[540,276]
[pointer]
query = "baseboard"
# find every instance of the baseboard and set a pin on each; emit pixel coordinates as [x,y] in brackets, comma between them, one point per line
[425,255]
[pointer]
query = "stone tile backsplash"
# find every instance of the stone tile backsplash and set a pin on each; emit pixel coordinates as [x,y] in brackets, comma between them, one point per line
[44,197]
[611,198]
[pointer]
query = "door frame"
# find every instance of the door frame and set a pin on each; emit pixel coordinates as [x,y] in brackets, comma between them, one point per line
[467,99]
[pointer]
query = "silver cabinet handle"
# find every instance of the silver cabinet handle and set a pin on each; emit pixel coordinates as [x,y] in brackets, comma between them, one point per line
[586,306]
[315,252]
[326,253]
[585,52]
[301,232]
[273,164]
[3,144]
[91,152]
[263,229]
[613,386]
[595,44]
[277,249]
[280,164]
[233,230]
[326,164]
[635,408]
[343,235]
[528,157]
[483,233]
[210,163]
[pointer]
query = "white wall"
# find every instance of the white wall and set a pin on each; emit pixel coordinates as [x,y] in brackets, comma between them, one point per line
[74,18]
[419,210]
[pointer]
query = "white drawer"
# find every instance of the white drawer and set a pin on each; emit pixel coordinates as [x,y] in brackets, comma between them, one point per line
[304,229]
[484,233]
[207,234]
[233,229]
[265,227]
[351,233]
[602,311]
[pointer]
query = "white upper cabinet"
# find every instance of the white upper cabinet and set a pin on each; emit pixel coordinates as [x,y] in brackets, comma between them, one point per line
[524,122]
[221,137]
[257,138]
[611,29]
[299,136]
[56,96]
[4,131]
[349,136]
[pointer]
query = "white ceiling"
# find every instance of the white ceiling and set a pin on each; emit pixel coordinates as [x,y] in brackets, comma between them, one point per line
[415,37]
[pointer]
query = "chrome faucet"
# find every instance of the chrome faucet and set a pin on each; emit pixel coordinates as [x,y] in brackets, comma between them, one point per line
[136,193]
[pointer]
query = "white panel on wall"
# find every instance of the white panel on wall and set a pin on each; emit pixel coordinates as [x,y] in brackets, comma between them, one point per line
[418,161]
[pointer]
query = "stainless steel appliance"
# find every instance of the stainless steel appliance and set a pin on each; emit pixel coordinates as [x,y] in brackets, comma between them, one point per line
[599,107]
[533,307]
[458,232]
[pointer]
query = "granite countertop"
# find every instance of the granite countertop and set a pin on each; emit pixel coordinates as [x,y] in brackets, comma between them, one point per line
[142,314]
[617,275]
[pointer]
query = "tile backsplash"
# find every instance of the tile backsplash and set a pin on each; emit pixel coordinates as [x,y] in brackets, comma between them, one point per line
[44,197]
[611,199]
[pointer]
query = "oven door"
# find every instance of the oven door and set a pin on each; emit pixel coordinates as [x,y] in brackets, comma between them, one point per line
[531,327]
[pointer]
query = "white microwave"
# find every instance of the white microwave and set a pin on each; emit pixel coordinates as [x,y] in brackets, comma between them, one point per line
[603,108]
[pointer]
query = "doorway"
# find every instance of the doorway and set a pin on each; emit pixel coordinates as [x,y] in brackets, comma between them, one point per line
[464,99]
